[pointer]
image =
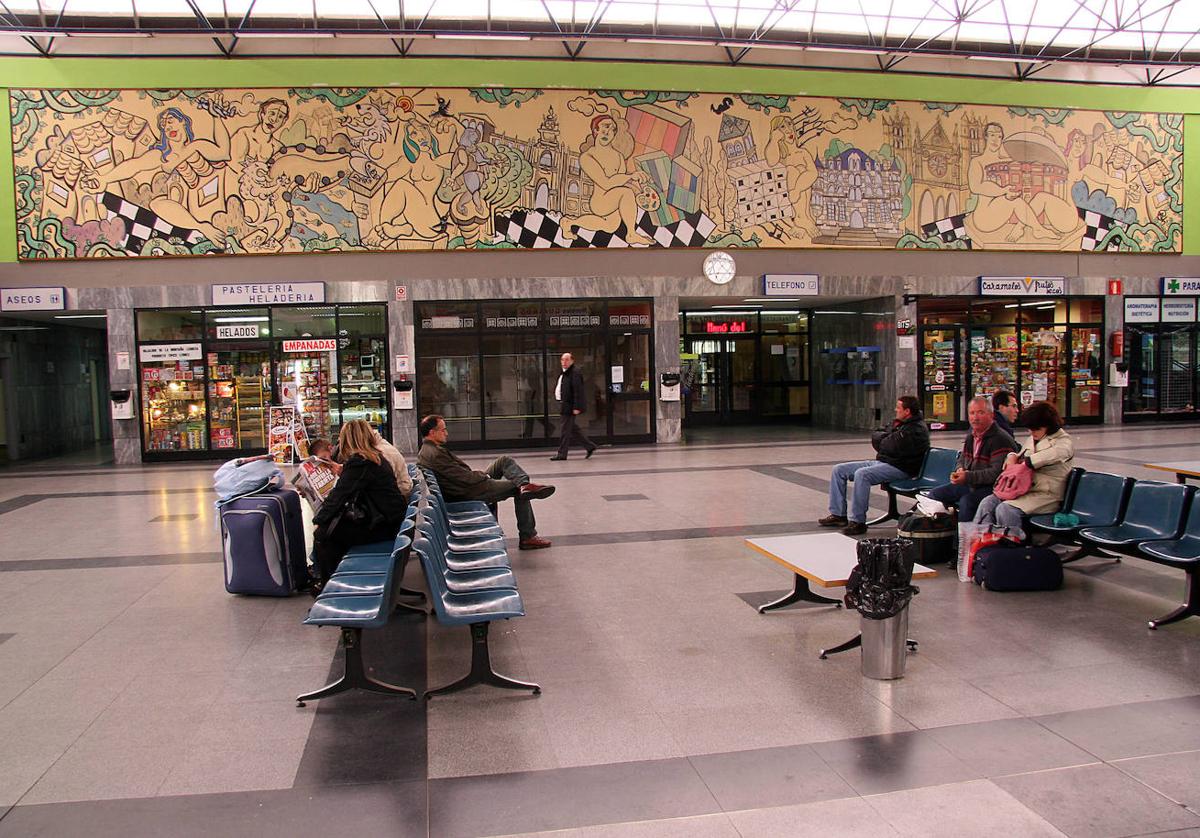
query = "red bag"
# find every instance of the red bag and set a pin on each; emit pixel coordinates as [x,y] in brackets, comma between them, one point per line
[1014,481]
[987,539]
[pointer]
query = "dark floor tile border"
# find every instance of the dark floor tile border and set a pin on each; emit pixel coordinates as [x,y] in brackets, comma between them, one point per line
[93,562]
[562,798]
[163,519]
[741,530]
[359,737]
[624,497]
[22,501]
[392,809]
[7,636]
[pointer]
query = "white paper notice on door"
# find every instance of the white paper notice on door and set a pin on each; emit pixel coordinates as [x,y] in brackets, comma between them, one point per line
[618,375]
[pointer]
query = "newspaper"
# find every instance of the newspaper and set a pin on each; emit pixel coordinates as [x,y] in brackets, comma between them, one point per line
[315,479]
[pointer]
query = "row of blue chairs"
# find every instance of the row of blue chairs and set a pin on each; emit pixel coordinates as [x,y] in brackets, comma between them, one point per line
[1146,519]
[363,594]
[471,583]
[462,551]
[935,471]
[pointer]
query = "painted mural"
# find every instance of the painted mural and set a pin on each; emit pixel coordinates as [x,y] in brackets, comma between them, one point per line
[104,173]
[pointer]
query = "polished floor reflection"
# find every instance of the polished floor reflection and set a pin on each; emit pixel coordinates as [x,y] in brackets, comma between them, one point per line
[137,697]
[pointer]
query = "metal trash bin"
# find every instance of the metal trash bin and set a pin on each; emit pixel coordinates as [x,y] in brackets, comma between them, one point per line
[880,587]
[884,646]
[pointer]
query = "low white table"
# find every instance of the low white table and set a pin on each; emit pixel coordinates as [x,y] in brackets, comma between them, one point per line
[1182,469]
[824,558]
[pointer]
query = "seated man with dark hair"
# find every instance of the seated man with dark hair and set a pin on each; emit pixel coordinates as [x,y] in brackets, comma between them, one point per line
[979,462]
[901,450]
[502,479]
[1005,409]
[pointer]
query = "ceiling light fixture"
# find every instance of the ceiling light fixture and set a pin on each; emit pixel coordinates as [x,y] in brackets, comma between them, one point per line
[291,34]
[760,45]
[478,36]
[1007,59]
[80,316]
[671,42]
[853,50]
[100,34]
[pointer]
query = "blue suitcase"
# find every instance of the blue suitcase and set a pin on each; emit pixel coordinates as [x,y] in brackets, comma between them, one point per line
[1003,568]
[262,539]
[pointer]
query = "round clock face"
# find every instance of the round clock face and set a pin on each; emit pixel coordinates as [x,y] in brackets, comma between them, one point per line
[937,165]
[719,268]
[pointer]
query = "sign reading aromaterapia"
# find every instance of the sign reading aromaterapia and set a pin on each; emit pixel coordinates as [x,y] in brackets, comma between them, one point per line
[1022,286]
[268,293]
[791,285]
[310,345]
[33,299]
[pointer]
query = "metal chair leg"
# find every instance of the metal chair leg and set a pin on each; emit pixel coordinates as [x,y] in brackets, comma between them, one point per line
[481,669]
[893,511]
[355,675]
[1190,607]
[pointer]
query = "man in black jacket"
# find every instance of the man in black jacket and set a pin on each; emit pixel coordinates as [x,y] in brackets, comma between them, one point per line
[979,462]
[1005,409]
[572,401]
[503,479]
[901,450]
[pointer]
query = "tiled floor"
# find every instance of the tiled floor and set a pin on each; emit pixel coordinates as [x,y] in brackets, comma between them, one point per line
[137,697]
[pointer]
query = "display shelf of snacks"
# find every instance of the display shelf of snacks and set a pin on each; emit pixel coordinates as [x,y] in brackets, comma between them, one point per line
[174,402]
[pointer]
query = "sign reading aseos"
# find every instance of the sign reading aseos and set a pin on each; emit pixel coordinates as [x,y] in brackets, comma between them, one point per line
[33,299]
[310,345]
[1022,286]
[268,293]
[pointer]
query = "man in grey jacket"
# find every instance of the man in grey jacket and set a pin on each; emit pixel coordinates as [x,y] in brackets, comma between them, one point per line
[502,479]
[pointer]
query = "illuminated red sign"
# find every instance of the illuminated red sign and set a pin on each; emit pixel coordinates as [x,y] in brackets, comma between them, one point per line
[724,328]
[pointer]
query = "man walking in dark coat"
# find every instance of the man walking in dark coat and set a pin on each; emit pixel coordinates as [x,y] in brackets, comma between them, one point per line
[572,402]
[503,479]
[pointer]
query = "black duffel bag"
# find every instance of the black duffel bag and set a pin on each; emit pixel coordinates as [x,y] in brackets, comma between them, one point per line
[933,535]
[1008,568]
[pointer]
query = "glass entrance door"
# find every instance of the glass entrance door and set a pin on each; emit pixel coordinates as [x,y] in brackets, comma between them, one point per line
[1176,369]
[941,374]
[720,380]
[239,390]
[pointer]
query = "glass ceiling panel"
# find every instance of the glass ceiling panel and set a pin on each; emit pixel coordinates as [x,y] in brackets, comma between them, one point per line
[1161,27]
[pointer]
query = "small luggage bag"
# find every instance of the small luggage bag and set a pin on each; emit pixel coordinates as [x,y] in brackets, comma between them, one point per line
[1007,568]
[262,538]
[934,536]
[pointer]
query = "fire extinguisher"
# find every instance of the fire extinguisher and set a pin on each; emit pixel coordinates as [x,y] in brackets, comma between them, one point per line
[1116,345]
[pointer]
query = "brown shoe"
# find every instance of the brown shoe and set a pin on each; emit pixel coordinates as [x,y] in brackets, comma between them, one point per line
[536,492]
[854,528]
[833,521]
[534,543]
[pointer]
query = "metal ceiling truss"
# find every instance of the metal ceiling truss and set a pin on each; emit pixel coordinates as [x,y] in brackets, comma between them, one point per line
[935,28]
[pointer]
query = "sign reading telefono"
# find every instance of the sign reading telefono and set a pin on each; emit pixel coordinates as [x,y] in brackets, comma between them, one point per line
[33,299]
[791,285]
[268,293]
[1022,286]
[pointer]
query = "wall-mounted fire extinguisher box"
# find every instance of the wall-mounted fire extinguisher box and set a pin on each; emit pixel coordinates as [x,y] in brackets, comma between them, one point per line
[1116,345]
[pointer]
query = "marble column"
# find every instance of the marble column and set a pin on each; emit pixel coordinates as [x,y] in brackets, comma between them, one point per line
[906,359]
[1114,321]
[402,340]
[127,440]
[669,415]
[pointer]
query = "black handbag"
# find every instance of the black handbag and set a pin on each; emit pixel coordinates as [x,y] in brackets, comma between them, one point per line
[359,512]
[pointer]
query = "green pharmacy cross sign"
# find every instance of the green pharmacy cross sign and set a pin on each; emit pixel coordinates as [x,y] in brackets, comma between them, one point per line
[1176,285]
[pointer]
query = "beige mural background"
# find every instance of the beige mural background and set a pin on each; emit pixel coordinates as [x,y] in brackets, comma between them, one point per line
[103,173]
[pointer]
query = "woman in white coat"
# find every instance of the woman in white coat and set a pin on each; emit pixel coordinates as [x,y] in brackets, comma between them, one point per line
[1048,452]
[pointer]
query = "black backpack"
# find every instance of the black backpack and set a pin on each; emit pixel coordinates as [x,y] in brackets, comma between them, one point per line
[934,536]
